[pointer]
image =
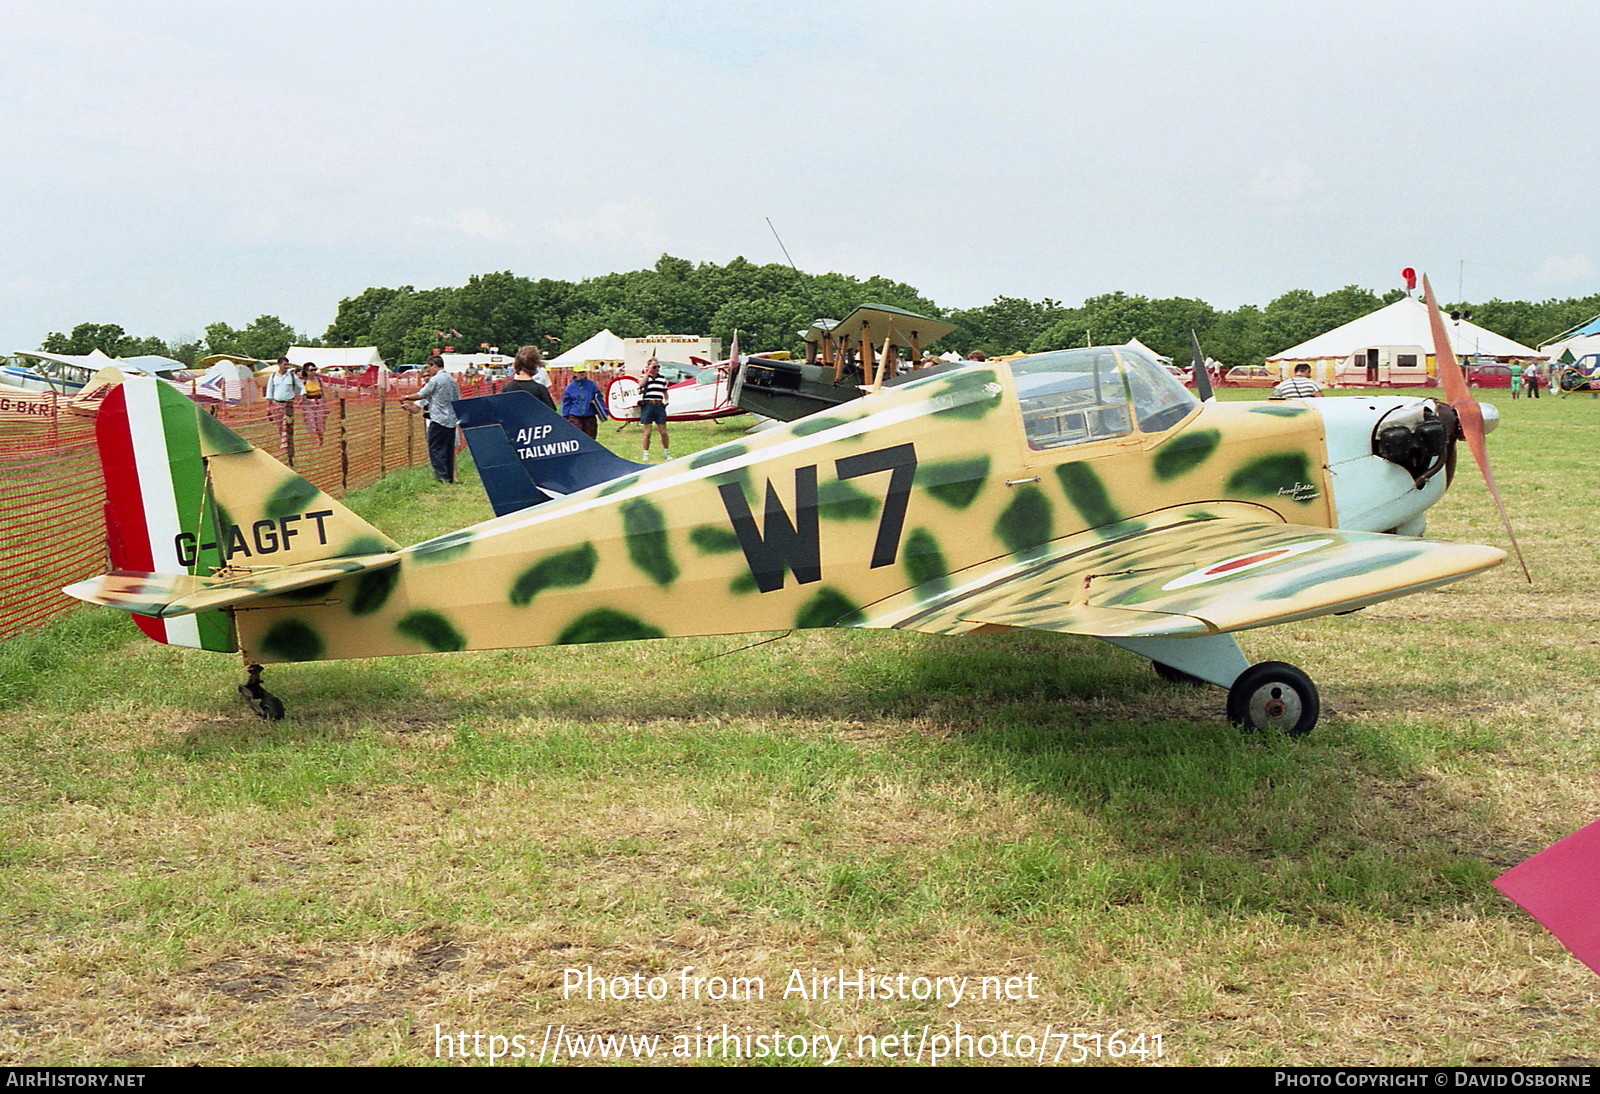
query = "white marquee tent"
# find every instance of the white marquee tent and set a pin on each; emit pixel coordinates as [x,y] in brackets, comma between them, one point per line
[329,357]
[603,348]
[1394,345]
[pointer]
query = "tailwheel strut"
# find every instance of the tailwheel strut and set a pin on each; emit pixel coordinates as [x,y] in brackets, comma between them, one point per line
[262,702]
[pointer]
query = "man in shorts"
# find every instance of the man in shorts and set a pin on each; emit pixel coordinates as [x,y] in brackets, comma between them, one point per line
[653,407]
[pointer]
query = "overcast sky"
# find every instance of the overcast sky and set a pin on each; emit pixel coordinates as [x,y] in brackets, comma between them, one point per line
[173,164]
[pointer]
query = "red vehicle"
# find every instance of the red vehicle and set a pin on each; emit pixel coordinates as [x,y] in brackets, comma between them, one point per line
[1488,374]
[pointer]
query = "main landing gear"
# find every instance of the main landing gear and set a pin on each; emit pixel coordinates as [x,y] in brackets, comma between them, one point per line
[1271,697]
[262,702]
[1274,696]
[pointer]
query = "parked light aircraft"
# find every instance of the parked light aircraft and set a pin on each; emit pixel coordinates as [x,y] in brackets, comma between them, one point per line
[1082,491]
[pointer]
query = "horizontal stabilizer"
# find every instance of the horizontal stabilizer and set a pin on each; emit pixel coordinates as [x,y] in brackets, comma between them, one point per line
[168,595]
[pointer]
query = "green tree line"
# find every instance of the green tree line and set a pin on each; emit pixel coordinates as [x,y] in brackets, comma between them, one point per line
[770,304]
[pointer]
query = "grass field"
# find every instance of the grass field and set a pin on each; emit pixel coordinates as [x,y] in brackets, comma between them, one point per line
[426,845]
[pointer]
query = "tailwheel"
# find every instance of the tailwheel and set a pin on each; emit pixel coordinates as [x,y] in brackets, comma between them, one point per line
[262,702]
[1274,696]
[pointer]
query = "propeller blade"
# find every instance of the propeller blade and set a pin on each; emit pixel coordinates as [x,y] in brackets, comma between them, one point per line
[1202,376]
[1468,412]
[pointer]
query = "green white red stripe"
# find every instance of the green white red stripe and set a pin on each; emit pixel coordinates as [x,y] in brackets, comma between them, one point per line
[157,499]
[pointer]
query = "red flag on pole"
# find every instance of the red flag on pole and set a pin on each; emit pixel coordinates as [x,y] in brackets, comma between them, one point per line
[1409,276]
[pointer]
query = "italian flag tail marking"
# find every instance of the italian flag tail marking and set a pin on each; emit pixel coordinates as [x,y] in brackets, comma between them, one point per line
[156,493]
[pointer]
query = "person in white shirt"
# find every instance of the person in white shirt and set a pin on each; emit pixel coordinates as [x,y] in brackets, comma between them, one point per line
[1298,386]
[283,387]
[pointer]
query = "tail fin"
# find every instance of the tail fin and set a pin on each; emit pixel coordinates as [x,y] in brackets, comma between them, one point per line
[554,458]
[185,495]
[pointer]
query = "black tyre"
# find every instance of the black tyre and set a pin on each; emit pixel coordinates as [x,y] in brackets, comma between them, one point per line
[1176,676]
[1274,697]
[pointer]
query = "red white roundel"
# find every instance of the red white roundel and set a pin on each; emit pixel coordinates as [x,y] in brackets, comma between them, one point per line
[1238,564]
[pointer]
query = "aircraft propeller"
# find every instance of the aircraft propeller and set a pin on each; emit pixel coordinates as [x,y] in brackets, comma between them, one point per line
[1469,415]
[1202,375]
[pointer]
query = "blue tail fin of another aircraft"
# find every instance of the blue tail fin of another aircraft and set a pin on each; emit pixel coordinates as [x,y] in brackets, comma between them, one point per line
[525,451]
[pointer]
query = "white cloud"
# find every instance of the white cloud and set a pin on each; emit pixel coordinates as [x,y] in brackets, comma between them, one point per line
[1285,183]
[477,223]
[1557,270]
[632,221]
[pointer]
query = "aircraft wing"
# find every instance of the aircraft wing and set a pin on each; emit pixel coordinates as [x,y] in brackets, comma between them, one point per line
[1184,577]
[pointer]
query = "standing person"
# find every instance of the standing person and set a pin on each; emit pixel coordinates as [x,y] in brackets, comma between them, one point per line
[1516,378]
[1298,386]
[435,397]
[283,387]
[316,412]
[1530,379]
[525,376]
[653,407]
[578,399]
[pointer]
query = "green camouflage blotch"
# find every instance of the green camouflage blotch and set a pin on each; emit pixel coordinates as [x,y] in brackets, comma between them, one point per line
[712,540]
[739,477]
[432,630]
[924,562]
[372,589]
[1026,522]
[829,608]
[1310,579]
[744,583]
[617,485]
[444,547]
[291,640]
[606,625]
[1280,411]
[564,570]
[841,500]
[1269,473]
[311,592]
[816,423]
[966,406]
[954,482]
[1185,452]
[644,530]
[718,454]
[219,438]
[365,545]
[293,496]
[1087,494]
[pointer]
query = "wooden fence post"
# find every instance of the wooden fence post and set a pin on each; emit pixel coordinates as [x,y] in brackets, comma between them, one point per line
[344,453]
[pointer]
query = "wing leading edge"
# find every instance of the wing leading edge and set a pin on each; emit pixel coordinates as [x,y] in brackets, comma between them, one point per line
[1182,575]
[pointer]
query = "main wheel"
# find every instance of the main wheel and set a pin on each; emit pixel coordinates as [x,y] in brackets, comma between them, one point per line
[1274,696]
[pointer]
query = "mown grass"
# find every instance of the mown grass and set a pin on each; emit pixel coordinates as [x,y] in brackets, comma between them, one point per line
[434,840]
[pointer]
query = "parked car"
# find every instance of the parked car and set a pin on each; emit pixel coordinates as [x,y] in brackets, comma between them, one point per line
[1250,376]
[1489,374]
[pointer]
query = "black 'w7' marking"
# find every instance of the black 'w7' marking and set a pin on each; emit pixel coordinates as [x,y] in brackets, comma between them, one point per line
[901,462]
[793,544]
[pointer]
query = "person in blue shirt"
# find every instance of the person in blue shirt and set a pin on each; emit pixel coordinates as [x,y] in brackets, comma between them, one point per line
[578,399]
[437,397]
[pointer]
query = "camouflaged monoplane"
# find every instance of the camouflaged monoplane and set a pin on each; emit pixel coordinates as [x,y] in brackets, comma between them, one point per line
[1082,491]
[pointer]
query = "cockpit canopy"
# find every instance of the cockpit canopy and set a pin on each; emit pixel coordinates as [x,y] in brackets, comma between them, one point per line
[1075,396]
